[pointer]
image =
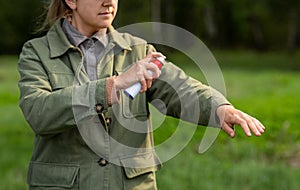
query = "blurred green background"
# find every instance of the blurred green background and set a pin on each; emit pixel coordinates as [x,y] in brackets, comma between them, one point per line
[261,25]
[257,47]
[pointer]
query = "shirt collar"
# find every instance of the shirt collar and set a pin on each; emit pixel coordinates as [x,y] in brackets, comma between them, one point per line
[76,38]
[72,34]
[59,42]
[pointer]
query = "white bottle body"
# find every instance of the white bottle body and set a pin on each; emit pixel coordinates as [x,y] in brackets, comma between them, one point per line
[133,90]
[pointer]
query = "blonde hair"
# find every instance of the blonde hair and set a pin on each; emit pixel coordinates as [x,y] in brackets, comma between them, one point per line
[54,11]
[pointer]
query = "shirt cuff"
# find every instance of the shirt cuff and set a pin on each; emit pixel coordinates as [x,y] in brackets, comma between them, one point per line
[112,95]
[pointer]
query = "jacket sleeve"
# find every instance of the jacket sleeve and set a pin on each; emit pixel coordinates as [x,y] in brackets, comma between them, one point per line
[183,97]
[48,110]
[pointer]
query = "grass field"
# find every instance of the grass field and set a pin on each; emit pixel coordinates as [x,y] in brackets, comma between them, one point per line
[264,85]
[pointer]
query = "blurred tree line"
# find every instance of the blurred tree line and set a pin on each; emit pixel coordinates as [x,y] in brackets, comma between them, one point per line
[261,25]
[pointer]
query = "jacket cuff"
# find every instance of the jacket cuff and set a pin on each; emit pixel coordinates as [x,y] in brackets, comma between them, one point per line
[112,95]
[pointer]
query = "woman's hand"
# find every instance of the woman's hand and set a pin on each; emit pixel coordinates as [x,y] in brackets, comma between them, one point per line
[139,73]
[229,116]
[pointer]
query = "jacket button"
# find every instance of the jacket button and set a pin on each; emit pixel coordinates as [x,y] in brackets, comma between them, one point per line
[99,108]
[102,162]
[108,121]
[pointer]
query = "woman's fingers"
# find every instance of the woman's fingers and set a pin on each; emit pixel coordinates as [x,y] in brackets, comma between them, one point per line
[155,55]
[231,116]
[144,71]
[228,129]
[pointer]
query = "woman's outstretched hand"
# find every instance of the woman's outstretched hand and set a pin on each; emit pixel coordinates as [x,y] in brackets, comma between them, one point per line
[229,116]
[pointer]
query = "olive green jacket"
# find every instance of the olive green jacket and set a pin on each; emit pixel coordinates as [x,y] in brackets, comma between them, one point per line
[80,141]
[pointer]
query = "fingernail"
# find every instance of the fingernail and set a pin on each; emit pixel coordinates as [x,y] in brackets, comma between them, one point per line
[258,133]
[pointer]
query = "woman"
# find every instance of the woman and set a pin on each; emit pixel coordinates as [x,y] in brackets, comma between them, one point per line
[79,70]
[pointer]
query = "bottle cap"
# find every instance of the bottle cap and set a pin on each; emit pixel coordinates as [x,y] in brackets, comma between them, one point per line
[159,62]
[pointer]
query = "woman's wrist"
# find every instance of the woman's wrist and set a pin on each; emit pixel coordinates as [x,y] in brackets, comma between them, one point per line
[112,92]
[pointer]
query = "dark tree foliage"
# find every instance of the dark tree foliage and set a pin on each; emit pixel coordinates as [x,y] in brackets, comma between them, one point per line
[17,20]
[261,25]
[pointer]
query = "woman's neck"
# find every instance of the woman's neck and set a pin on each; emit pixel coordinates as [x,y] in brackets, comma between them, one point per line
[86,31]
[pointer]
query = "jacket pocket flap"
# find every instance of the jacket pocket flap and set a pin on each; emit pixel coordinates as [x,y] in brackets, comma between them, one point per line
[49,175]
[141,164]
[61,80]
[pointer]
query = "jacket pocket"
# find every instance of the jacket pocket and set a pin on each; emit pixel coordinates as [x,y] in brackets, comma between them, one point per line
[134,108]
[61,80]
[48,175]
[140,171]
[141,164]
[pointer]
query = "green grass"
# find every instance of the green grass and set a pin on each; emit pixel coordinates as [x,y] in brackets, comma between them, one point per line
[264,85]
[267,87]
[15,135]
[269,162]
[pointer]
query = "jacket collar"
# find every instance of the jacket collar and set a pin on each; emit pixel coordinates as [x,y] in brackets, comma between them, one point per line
[118,39]
[59,43]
